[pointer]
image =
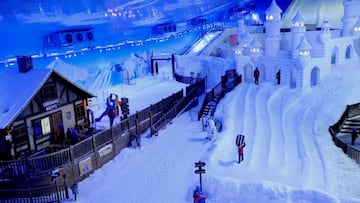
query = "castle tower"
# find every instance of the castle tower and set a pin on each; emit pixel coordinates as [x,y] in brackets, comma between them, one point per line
[298,30]
[356,29]
[351,8]
[304,48]
[319,18]
[255,48]
[241,28]
[272,29]
[325,34]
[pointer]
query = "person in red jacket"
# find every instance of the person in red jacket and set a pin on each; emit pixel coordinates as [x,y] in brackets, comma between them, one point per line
[240,143]
[241,152]
[200,198]
[196,193]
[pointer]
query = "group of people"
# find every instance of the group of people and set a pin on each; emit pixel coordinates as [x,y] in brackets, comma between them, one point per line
[72,135]
[257,76]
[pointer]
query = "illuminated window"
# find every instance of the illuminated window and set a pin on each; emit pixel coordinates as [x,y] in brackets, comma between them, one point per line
[255,50]
[42,127]
[304,53]
[45,126]
[269,17]
[299,24]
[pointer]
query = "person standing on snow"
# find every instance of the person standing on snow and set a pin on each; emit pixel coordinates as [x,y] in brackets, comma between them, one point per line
[196,193]
[240,143]
[201,198]
[278,77]
[256,75]
[353,136]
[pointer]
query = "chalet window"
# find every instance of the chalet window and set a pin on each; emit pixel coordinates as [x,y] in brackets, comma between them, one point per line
[49,92]
[19,135]
[42,126]
[79,111]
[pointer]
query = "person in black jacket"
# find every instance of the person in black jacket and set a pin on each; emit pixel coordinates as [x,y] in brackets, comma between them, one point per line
[353,136]
[256,75]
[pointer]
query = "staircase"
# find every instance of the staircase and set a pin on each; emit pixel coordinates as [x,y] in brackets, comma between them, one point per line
[210,107]
[349,123]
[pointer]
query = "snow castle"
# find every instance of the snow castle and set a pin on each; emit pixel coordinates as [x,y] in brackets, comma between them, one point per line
[303,54]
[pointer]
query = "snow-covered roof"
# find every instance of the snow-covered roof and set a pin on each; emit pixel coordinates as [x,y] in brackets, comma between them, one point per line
[273,8]
[255,43]
[298,17]
[17,89]
[304,45]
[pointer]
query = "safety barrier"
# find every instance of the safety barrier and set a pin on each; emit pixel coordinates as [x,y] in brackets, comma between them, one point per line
[221,89]
[350,112]
[46,178]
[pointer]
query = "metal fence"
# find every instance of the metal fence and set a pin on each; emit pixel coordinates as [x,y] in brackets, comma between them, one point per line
[220,90]
[350,111]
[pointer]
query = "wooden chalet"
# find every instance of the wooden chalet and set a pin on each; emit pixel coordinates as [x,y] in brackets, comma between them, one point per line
[33,103]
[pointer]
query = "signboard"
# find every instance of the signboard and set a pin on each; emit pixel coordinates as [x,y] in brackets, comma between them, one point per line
[50,105]
[200,164]
[85,166]
[107,149]
[200,171]
[240,140]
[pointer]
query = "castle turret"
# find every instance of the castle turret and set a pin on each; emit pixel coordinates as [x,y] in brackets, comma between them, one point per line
[272,29]
[304,48]
[356,29]
[241,27]
[298,30]
[351,9]
[325,34]
[319,18]
[255,47]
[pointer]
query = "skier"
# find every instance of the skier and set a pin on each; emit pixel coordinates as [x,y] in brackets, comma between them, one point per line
[211,129]
[240,143]
[256,75]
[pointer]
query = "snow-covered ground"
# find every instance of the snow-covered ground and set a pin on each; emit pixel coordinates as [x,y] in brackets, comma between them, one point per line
[289,154]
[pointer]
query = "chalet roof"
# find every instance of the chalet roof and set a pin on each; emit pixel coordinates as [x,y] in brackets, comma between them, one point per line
[17,90]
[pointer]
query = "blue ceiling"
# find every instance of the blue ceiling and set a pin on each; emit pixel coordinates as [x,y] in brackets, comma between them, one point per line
[24,23]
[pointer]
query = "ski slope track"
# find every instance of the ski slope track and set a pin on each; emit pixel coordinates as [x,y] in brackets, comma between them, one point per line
[280,127]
